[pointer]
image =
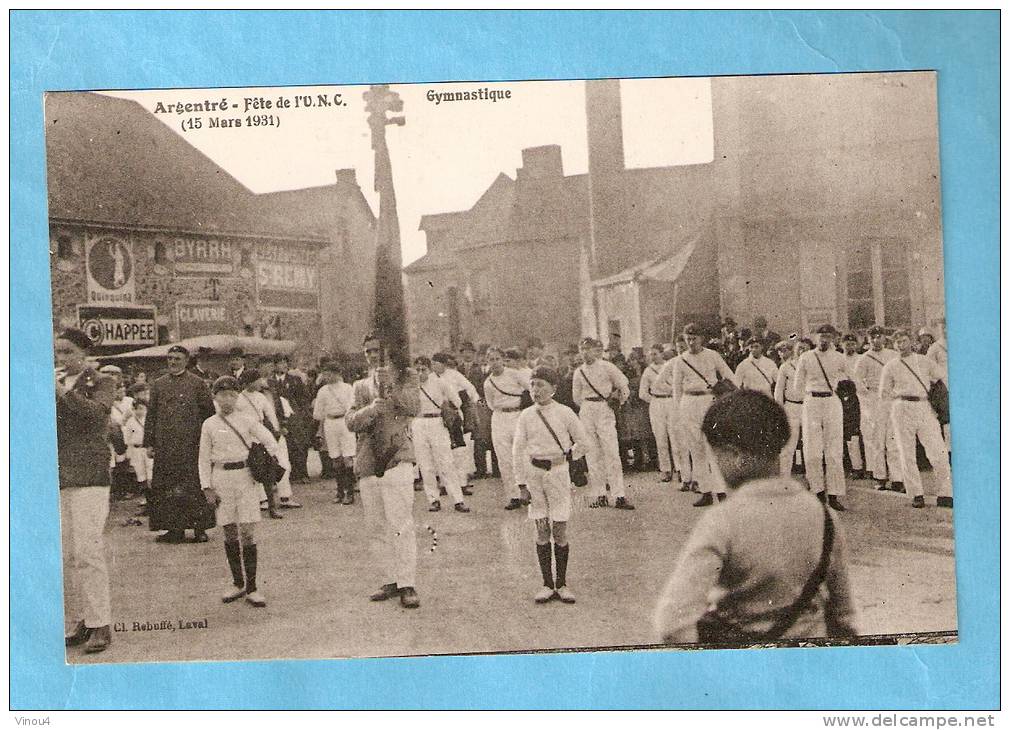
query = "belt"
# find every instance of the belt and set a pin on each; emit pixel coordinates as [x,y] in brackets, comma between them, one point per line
[232,465]
[507,410]
[340,416]
[796,402]
[595,399]
[912,398]
[430,415]
[662,396]
[697,392]
[820,395]
[555,460]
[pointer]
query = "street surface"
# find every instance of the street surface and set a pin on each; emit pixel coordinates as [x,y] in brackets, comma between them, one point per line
[476,586]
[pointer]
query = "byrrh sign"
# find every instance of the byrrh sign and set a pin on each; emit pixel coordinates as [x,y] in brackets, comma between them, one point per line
[202,256]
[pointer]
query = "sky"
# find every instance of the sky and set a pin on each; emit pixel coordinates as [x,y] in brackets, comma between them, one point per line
[447,154]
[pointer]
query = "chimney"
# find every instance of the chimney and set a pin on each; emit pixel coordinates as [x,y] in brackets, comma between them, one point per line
[347,176]
[541,162]
[606,163]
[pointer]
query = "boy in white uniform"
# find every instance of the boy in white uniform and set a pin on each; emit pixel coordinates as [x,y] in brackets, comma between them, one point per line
[790,397]
[257,406]
[226,481]
[882,458]
[432,447]
[905,383]
[657,395]
[547,435]
[444,366]
[332,403]
[503,389]
[757,372]
[133,435]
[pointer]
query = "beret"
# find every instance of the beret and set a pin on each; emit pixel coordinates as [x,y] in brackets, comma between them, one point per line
[826,329]
[179,349]
[545,373]
[225,382]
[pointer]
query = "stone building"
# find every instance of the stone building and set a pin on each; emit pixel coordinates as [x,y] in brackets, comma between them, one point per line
[821,204]
[144,227]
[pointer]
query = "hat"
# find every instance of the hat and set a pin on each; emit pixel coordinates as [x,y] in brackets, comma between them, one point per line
[754,341]
[467,346]
[225,382]
[329,366]
[203,350]
[849,337]
[512,354]
[545,373]
[77,337]
[249,375]
[179,349]
[729,322]
[572,350]
[784,345]
[535,342]
[876,330]
[826,329]
[236,352]
[900,333]
[691,329]
[590,342]
[442,357]
[110,370]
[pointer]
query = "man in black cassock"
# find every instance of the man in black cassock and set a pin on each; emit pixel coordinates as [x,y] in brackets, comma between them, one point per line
[180,403]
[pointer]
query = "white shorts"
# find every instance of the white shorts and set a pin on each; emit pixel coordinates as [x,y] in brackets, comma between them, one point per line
[550,493]
[339,439]
[240,496]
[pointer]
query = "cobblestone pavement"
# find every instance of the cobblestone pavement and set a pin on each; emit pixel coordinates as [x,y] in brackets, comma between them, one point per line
[476,586]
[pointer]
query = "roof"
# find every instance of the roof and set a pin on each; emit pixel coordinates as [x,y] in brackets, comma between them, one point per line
[663,268]
[110,161]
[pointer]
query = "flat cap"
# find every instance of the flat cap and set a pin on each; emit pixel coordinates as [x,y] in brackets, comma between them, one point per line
[236,352]
[827,329]
[249,375]
[225,382]
[590,342]
[179,349]
[876,330]
[784,345]
[545,373]
[110,370]
[754,341]
[691,329]
[849,337]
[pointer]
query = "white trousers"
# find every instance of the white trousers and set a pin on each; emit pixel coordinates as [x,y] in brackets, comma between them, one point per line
[463,457]
[915,419]
[389,513]
[284,485]
[658,418]
[702,468]
[882,457]
[674,427]
[433,452]
[602,454]
[503,431]
[822,444]
[794,412]
[83,512]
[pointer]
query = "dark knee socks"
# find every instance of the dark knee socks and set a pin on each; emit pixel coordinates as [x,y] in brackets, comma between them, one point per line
[233,552]
[544,557]
[249,557]
[560,563]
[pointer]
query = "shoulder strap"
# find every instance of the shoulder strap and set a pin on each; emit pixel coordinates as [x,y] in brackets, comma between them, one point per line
[429,397]
[503,392]
[590,383]
[684,360]
[915,374]
[754,363]
[874,359]
[551,430]
[788,617]
[824,372]
[240,438]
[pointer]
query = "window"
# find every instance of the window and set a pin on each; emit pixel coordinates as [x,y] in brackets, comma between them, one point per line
[160,253]
[64,247]
[877,288]
[894,272]
[664,328]
[859,285]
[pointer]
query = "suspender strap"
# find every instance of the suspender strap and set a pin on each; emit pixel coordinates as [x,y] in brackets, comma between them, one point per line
[429,397]
[824,373]
[875,359]
[707,384]
[503,392]
[551,430]
[590,383]
[244,442]
[916,376]
[754,365]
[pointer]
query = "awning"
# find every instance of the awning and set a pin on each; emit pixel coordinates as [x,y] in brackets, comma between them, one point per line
[215,344]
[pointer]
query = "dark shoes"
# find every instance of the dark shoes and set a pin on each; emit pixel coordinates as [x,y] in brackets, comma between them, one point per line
[858,474]
[468,490]
[78,636]
[947,502]
[514,504]
[721,496]
[288,503]
[389,590]
[435,506]
[918,502]
[667,477]
[98,640]
[599,502]
[442,492]
[685,486]
[898,487]
[705,501]
[408,597]
[881,485]
[348,497]
[172,537]
[834,504]
[823,496]
[622,503]
[200,536]
[461,507]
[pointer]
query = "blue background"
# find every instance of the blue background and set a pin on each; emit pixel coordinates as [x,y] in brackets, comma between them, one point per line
[89,50]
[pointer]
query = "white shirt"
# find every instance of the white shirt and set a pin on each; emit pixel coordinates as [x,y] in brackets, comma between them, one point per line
[651,385]
[438,391]
[786,388]
[605,377]
[257,405]
[937,352]
[219,444]
[133,430]
[869,366]
[809,376]
[533,440]
[504,391]
[121,410]
[759,374]
[333,400]
[707,362]
[457,382]
[897,379]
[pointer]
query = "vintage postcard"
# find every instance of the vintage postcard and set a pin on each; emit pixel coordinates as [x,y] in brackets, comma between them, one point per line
[457,368]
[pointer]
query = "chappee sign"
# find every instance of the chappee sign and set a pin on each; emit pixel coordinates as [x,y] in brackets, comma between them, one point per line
[116,329]
[203,318]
